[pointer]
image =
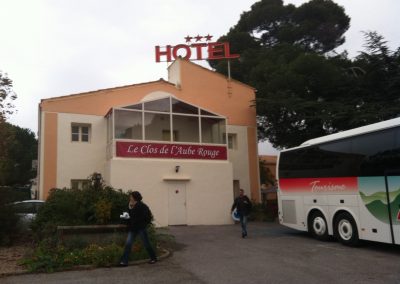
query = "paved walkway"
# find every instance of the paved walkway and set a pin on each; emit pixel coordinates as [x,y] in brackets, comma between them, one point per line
[271,254]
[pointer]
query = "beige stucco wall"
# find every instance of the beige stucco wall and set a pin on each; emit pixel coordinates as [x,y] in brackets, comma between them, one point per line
[209,190]
[78,160]
[239,157]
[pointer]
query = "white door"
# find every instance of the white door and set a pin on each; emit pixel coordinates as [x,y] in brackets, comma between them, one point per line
[177,203]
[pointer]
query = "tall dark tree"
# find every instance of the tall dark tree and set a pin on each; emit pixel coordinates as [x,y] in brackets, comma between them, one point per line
[6,108]
[378,78]
[16,168]
[304,88]
[18,146]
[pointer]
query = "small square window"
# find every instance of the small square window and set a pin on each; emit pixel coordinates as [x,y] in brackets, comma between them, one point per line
[232,141]
[80,183]
[80,133]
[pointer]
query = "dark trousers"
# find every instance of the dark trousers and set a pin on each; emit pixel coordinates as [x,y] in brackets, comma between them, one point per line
[131,239]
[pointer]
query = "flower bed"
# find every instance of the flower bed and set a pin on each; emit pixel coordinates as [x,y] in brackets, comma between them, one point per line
[97,245]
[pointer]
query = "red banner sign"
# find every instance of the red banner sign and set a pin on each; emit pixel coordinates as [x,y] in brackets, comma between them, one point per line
[314,185]
[170,151]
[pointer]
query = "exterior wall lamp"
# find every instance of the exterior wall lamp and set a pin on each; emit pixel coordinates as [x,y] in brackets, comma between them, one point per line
[177,168]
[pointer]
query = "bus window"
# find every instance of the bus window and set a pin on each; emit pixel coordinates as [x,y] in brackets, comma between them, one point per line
[377,152]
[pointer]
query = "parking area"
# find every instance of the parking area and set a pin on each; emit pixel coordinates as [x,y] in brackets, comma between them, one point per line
[271,254]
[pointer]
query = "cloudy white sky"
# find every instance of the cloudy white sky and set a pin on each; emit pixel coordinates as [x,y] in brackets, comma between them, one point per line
[51,48]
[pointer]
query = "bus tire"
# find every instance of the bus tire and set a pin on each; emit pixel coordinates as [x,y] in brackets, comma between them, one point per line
[318,227]
[346,229]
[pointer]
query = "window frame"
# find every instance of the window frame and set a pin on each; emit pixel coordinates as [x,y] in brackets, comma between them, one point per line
[80,132]
[199,116]
[81,183]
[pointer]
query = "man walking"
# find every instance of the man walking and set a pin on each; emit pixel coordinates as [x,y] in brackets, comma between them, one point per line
[140,218]
[243,207]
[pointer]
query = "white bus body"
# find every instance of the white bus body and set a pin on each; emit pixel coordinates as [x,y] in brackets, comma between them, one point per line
[345,184]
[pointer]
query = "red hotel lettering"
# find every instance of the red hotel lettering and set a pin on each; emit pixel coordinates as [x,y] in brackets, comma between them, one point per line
[216,50]
[182,46]
[160,53]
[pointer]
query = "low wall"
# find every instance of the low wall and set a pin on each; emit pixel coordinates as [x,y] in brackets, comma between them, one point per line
[80,236]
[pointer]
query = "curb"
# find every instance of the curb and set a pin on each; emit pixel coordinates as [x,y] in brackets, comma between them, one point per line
[165,254]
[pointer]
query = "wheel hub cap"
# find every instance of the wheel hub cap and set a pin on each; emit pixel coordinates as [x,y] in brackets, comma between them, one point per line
[345,230]
[319,226]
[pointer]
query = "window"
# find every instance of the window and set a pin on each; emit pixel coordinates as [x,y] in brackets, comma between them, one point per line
[369,154]
[80,133]
[181,107]
[212,130]
[187,127]
[157,120]
[162,105]
[80,183]
[128,124]
[155,125]
[232,141]
[167,135]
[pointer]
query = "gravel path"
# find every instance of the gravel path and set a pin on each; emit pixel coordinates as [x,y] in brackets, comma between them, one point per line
[9,257]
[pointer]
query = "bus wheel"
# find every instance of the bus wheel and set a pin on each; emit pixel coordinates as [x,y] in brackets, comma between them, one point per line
[346,229]
[318,226]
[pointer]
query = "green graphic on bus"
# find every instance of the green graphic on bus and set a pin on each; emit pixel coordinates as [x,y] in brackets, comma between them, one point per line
[373,193]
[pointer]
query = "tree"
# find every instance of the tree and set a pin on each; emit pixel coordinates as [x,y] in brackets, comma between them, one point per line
[379,81]
[305,89]
[16,168]
[7,95]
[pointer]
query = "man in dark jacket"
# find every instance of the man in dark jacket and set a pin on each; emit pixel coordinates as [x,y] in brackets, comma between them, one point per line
[243,208]
[140,217]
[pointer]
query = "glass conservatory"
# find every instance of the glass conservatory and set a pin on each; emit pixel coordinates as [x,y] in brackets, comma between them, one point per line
[167,121]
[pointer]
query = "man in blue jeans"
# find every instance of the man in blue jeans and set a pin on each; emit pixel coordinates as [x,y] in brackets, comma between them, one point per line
[243,207]
[140,217]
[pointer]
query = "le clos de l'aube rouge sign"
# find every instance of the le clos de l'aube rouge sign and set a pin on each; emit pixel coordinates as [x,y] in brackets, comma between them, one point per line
[170,151]
[195,51]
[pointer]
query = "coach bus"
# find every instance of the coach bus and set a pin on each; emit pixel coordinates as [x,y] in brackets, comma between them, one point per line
[345,185]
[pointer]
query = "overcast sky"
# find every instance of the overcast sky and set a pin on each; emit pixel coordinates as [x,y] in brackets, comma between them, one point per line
[59,47]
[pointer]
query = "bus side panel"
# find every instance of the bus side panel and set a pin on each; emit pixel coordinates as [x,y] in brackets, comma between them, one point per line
[374,217]
[291,212]
[372,229]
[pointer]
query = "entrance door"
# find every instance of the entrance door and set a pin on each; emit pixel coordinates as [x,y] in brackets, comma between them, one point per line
[393,190]
[177,203]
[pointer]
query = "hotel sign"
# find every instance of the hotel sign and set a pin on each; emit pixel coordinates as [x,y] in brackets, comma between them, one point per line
[195,51]
[170,151]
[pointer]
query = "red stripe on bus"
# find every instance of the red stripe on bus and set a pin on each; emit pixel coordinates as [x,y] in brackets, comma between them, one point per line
[346,184]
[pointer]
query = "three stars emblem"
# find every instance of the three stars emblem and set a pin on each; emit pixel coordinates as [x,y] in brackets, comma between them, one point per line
[188,38]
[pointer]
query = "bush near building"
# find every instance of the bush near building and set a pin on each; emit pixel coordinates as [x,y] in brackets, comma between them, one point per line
[72,207]
[96,205]
[9,228]
[264,212]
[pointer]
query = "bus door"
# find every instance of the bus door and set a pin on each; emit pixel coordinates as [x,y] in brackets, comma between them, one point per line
[392,180]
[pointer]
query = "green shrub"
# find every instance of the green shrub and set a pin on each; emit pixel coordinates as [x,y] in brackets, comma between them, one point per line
[8,217]
[49,256]
[72,207]
[262,212]
[103,211]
